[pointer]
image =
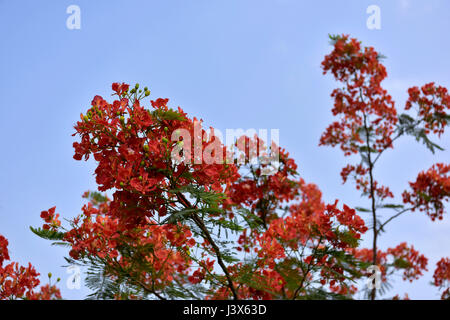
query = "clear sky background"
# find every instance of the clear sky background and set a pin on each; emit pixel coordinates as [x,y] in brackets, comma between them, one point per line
[236,64]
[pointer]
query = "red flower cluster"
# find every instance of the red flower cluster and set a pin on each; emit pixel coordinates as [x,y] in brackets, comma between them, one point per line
[4,255]
[312,228]
[51,219]
[47,292]
[95,233]
[430,190]
[133,148]
[120,89]
[301,226]
[401,257]
[363,105]
[260,193]
[433,103]
[322,229]
[410,260]
[19,282]
[441,277]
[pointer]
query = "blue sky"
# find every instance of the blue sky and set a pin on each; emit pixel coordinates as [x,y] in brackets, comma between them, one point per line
[236,64]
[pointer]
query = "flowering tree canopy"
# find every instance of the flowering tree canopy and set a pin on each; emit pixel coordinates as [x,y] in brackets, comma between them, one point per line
[368,124]
[177,216]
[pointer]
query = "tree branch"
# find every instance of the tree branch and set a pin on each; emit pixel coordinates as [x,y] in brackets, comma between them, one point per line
[199,222]
[393,217]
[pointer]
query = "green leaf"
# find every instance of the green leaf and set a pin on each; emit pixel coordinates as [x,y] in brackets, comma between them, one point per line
[401,263]
[391,206]
[62,244]
[348,238]
[179,216]
[367,149]
[168,115]
[96,197]
[253,221]
[408,125]
[48,234]
[333,38]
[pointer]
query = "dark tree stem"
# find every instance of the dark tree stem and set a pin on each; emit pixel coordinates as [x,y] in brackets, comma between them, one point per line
[199,222]
[372,196]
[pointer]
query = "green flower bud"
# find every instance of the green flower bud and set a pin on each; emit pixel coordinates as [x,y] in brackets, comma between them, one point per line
[146,147]
[165,140]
